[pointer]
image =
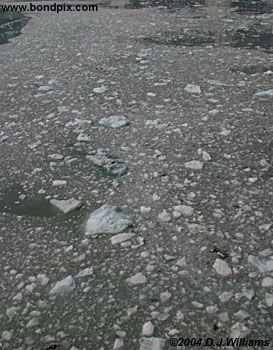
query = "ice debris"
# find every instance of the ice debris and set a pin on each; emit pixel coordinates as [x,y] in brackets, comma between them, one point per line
[266,93]
[151,343]
[138,278]
[121,237]
[67,285]
[261,264]
[186,210]
[100,90]
[193,89]
[222,268]
[148,329]
[66,206]
[111,165]
[115,121]
[108,219]
[85,272]
[194,165]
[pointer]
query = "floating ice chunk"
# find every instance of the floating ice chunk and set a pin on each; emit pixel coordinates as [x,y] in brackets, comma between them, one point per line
[12,312]
[266,93]
[164,216]
[138,278]
[64,286]
[115,121]
[45,88]
[35,144]
[181,262]
[222,267]
[56,156]
[59,182]
[119,344]
[206,156]
[261,264]
[110,164]
[225,132]
[144,52]
[85,272]
[107,219]
[121,237]
[80,123]
[83,138]
[3,138]
[148,329]
[66,206]
[239,330]
[267,282]
[145,210]
[100,90]
[117,168]
[151,123]
[7,335]
[269,299]
[193,89]
[186,210]
[194,165]
[42,279]
[152,343]
[165,296]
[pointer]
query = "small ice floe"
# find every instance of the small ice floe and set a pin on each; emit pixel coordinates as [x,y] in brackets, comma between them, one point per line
[42,279]
[45,88]
[164,216]
[151,343]
[119,344]
[194,165]
[65,286]
[114,121]
[108,219]
[121,237]
[56,156]
[136,279]
[261,264]
[193,89]
[266,93]
[79,123]
[85,272]
[148,329]
[225,132]
[111,165]
[100,90]
[181,262]
[205,155]
[222,268]
[83,138]
[267,282]
[59,182]
[66,205]
[185,210]
[239,330]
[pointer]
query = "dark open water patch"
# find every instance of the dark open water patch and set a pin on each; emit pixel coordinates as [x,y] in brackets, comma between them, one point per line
[11,24]
[10,202]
